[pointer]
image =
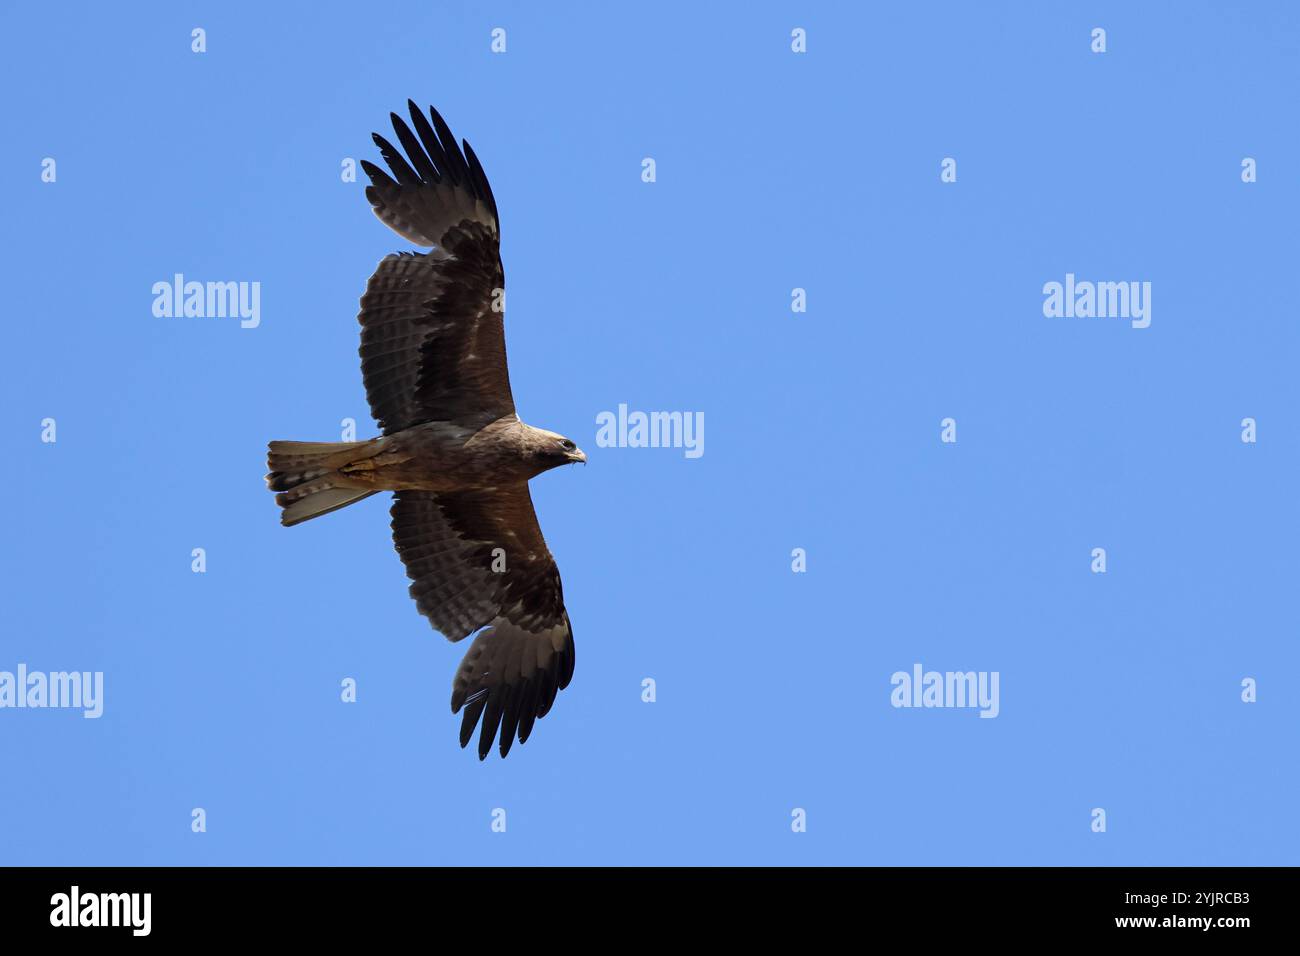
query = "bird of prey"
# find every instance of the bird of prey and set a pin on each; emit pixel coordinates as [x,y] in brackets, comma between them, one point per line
[452,448]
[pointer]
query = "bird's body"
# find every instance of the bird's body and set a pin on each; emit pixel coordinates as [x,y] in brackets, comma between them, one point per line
[453,449]
[443,456]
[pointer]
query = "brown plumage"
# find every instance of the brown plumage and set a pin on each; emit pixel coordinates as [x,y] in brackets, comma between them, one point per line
[433,360]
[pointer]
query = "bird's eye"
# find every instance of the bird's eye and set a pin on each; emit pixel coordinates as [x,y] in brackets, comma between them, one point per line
[567,445]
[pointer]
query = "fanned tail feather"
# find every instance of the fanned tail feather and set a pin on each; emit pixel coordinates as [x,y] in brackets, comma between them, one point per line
[306,476]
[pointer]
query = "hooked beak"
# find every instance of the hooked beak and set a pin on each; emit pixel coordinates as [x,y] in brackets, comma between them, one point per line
[577,455]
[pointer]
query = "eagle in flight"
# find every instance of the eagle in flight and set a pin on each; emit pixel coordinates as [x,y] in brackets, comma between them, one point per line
[452,449]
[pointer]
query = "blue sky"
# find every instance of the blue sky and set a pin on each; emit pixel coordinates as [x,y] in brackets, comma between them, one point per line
[774,171]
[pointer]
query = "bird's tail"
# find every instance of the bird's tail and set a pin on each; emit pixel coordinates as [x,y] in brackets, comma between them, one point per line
[305,473]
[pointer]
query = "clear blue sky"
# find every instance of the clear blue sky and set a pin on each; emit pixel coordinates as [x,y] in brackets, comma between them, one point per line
[775,170]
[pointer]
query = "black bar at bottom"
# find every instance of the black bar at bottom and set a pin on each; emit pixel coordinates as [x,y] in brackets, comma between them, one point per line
[340,904]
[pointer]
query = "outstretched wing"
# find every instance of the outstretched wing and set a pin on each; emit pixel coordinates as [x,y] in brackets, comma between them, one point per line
[477,559]
[433,325]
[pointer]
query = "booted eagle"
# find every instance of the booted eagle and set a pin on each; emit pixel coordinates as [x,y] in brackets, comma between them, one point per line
[453,451]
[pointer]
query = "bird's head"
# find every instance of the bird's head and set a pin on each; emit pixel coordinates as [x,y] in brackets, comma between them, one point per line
[550,450]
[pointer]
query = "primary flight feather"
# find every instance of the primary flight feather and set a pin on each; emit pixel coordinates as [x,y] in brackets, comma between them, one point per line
[452,449]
